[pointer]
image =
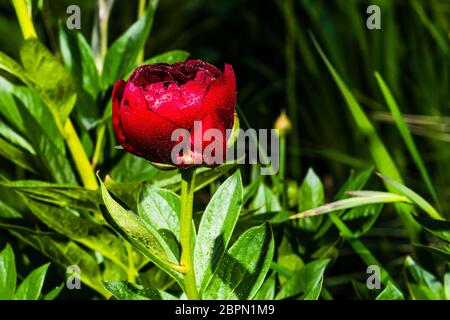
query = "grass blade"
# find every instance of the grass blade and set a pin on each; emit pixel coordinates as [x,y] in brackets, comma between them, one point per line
[406,135]
[381,157]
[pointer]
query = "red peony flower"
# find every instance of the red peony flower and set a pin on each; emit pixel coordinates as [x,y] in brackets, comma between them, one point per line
[160,98]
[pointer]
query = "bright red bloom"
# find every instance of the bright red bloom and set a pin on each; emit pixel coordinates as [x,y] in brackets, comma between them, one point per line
[160,98]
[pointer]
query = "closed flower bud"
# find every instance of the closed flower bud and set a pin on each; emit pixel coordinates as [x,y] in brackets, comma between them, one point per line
[283,124]
[160,98]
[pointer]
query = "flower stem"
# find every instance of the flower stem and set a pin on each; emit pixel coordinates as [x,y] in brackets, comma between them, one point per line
[26,24]
[281,173]
[79,156]
[73,141]
[141,12]
[187,200]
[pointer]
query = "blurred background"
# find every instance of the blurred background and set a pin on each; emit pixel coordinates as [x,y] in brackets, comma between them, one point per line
[269,43]
[278,68]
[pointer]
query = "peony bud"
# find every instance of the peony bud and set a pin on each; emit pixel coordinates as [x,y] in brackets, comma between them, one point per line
[160,98]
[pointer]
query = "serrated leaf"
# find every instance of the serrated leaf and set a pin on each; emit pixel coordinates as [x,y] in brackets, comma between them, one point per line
[47,76]
[243,268]
[216,227]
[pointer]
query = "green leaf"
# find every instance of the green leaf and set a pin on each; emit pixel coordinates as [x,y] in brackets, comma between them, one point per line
[413,196]
[9,109]
[31,286]
[447,283]
[79,59]
[311,192]
[169,57]
[132,168]
[391,292]
[287,259]
[203,177]
[58,194]
[265,200]
[422,285]
[54,293]
[243,268]
[81,230]
[30,101]
[15,138]
[383,160]
[361,198]
[10,65]
[267,290]
[7,273]
[439,228]
[405,133]
[216,227]
[311,195]
[17,156]
[126,291]
[66,253]
[306,281]
[139,234]
[52,82]
[54,161]
[160,208]
[121,56]
[7,212]
[90,77]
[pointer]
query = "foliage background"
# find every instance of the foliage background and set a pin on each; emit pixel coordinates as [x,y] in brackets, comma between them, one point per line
[278,68]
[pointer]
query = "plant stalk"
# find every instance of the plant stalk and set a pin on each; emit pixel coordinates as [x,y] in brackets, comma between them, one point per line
[26,24]
[281,173]
[79,156]
[73,141]
[186,261]
[140,13]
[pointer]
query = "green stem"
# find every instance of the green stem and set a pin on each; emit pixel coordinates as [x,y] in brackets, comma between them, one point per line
[79,156]
[26,24]
[141,12]
[98,145]
[73,141]
[281,173]
[187,200]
